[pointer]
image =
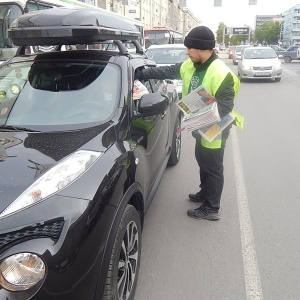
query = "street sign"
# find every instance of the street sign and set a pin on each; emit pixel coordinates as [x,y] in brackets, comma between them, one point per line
[217,2]
[237,30]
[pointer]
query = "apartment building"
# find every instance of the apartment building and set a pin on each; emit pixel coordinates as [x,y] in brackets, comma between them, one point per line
[290,35]
[166,13]
[260,19]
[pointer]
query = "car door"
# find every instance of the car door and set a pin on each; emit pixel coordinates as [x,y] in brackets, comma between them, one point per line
[151,135]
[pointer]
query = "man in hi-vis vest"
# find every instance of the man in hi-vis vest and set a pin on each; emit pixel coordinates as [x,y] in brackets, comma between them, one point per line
[204,68]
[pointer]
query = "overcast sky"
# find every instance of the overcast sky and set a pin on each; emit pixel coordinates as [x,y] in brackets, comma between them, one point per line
[236,13]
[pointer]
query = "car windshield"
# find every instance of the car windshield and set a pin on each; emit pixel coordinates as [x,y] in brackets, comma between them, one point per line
[239,49]
[260,54]
[167,56]
[57,92]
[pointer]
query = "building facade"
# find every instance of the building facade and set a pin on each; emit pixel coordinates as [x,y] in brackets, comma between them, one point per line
[165,13]
[290,35]
[260,19]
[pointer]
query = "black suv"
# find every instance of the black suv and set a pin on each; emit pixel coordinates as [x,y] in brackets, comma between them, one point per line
[82,155]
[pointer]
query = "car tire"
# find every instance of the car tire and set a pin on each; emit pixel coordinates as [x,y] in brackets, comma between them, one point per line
[287,59]
[239,76]
[277,79]
[124,264]
[176,144]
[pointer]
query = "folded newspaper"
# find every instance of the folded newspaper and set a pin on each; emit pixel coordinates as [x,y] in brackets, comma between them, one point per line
[201,114]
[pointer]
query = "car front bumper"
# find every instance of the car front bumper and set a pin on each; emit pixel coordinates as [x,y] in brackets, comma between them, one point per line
[75,259]
[254,74]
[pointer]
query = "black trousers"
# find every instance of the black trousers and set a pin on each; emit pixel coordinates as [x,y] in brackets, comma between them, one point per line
[210,162]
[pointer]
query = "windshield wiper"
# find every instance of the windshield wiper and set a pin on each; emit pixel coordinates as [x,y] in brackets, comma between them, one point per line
[16,128]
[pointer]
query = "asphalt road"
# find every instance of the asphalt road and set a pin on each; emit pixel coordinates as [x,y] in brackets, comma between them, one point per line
[253,251]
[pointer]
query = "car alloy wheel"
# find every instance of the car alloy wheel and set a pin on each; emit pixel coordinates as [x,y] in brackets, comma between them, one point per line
[125,259]
[176,144]
[287,59]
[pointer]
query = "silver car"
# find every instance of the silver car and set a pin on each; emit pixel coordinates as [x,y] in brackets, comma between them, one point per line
[237,53]
[169,54]
[259,63]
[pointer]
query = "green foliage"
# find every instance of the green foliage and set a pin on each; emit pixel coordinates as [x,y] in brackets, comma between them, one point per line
[233,39]
[220,33]
[268,32]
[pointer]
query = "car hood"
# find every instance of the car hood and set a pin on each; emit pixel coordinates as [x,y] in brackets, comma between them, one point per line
[281,51]
[260,62]
[26,156]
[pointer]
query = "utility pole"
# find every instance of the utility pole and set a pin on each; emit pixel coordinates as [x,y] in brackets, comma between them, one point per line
[223,42]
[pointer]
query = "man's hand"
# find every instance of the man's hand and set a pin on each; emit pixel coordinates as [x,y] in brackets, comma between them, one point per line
[139,75]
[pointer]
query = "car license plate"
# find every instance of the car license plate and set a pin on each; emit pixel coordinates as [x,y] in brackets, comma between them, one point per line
[258,74]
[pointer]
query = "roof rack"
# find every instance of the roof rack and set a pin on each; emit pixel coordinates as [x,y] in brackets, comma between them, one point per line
[121,47]
[65,26]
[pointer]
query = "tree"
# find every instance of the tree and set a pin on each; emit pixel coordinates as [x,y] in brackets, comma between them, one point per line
[268,32]
[232,39]
[220,33]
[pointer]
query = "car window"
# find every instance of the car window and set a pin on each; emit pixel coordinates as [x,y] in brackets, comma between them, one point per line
[58,92]
[148,86]
[240,48]
[167,56]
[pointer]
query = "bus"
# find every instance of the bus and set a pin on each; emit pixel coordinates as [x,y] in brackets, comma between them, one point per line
[162,35]
[11,10]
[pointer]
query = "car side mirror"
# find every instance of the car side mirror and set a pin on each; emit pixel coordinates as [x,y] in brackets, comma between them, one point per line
[152,104]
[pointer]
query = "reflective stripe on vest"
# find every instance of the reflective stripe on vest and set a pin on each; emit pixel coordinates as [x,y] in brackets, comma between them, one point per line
[214,76]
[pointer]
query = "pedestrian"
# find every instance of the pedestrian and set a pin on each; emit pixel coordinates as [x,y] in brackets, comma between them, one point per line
[203,67]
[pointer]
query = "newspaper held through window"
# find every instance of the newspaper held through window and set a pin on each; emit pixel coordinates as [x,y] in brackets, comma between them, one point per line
[139,90]
[201,113]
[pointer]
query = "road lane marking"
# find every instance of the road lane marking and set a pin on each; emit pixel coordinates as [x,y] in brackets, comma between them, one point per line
[251,272]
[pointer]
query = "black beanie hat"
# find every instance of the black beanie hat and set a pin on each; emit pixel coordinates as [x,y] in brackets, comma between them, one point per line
[200,37]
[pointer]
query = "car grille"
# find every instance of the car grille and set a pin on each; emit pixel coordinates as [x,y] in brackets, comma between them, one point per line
[179,95]
[50,229]
[262,68]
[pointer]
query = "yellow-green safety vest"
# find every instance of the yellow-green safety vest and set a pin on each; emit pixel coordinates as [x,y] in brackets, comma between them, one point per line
[213,78]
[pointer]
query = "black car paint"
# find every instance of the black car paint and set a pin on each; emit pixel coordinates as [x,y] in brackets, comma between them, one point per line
[90,207]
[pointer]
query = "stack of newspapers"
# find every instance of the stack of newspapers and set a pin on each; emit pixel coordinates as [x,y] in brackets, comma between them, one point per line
[201,114]
[202,117]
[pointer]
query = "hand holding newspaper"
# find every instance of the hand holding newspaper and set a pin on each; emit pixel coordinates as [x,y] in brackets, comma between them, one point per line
[201,113]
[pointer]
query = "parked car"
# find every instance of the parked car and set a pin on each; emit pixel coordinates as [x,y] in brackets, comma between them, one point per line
[290,54]
[169,54]
[80,159]
[259,63]
[238,52]
[231,51]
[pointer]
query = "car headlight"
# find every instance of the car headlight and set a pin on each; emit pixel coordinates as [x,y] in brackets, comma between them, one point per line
[245,67]
[277,65]
[21,271]
[54,180]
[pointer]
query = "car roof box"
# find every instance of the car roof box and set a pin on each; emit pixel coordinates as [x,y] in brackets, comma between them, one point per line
[65,26]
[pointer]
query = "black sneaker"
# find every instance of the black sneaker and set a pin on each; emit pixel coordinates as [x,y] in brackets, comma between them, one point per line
[196,197]
[200,213]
